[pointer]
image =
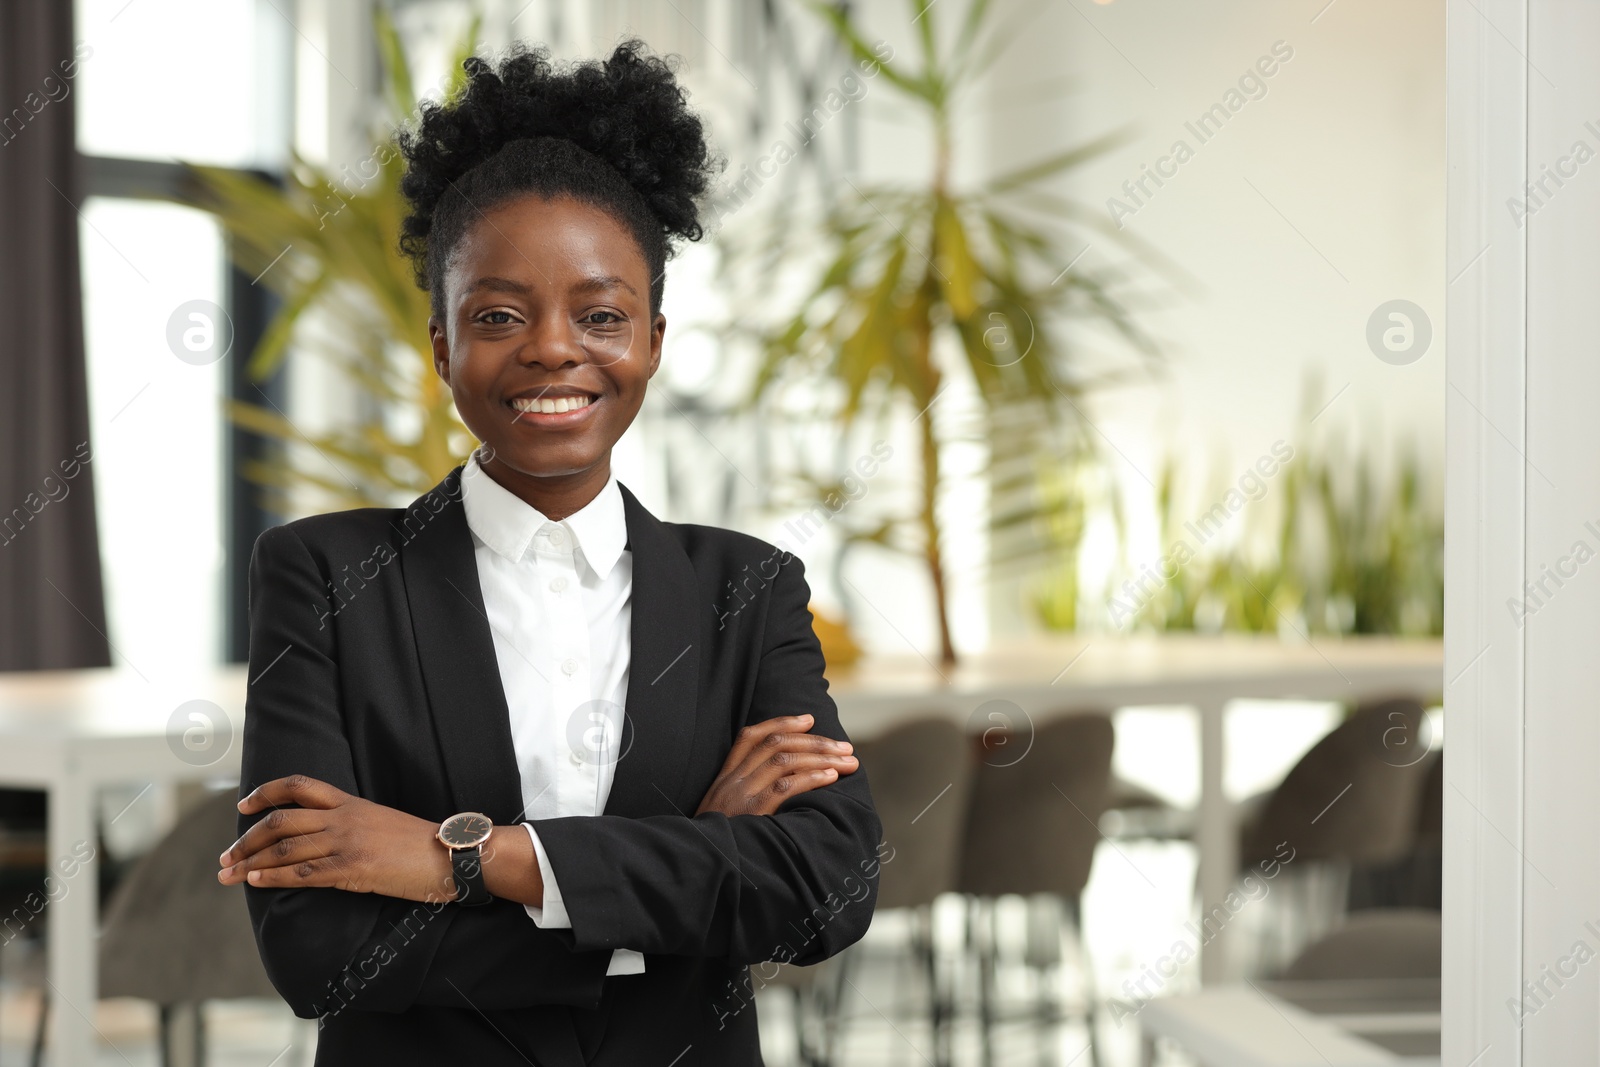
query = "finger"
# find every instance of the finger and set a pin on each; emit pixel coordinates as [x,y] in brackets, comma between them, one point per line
[751,736]
[277,825]
[775,744]
[790,786]
[324,872]
[297,789]
[283,853]
[783,763]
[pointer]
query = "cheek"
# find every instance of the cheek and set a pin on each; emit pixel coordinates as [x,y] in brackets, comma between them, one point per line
[629,370]
[472,373]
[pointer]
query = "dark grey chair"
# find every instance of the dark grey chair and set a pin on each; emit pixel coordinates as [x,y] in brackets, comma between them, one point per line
[920,773]
[1416,879]
[1352,798]
[921,776]
[173,934]
[1350,803]
[1386,943]
[1032,827]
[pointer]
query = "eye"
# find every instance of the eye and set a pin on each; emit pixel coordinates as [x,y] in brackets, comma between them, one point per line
[601,318]
[497,317]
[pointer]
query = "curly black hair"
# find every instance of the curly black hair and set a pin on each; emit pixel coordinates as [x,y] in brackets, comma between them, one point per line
[616,133]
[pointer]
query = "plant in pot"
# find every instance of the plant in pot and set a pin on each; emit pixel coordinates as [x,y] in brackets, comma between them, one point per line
[910,287]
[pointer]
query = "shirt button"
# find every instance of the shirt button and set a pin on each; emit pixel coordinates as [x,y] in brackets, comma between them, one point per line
[557,537]
[559,585]
[569,666]
[577,760]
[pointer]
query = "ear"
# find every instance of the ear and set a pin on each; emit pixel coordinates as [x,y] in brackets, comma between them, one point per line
[440,342]
[658,330]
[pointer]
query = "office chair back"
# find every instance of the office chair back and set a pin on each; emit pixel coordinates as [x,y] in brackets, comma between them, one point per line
[1032,822]
[1353,797]
[921,775]
[173,933]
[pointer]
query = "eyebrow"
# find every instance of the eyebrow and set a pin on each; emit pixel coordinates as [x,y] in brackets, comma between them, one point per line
[597,282]
[494,284]
[591,283]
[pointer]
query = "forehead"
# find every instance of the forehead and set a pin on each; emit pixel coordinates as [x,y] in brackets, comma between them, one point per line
[546,244]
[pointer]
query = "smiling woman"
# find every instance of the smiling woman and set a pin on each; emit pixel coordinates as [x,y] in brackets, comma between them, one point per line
[542,652]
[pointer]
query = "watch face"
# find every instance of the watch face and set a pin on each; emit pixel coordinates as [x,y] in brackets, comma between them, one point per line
[465,830]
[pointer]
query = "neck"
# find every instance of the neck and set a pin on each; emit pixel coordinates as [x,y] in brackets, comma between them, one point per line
[555,495]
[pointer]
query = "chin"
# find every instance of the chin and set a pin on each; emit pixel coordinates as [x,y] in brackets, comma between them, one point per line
[544,465]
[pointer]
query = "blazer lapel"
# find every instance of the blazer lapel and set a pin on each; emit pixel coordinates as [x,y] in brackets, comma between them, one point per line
[456,650]
[455,647]
[663,672]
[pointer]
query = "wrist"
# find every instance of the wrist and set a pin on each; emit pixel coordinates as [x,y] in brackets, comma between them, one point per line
[441,870]
[510,868]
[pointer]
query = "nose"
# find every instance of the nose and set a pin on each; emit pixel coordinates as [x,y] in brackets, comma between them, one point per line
[552,344]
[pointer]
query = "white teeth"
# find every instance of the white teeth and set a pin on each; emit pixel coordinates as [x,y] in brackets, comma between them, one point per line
[547,406]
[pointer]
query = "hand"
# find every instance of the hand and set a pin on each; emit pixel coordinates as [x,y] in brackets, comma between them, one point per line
[773,761]
[337,840]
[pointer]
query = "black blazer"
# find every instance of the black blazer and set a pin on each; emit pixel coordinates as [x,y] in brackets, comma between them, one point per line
[372,667]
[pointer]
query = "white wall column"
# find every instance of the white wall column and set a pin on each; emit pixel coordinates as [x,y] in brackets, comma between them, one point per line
[1522,796]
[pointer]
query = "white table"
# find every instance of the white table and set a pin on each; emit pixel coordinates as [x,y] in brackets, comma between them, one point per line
[1254,1026]
[1052,676]
[73,733]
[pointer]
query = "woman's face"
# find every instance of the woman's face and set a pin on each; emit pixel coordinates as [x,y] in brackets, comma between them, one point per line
[547,343]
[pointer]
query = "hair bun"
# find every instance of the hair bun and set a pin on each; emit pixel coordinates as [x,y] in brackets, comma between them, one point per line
[626,110]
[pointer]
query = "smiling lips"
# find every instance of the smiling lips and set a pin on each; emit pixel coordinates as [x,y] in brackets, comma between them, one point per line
[544,405]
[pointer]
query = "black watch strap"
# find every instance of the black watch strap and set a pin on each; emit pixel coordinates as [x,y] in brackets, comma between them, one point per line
[467,866]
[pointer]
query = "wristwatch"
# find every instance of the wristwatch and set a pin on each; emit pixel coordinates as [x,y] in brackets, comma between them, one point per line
[464,835]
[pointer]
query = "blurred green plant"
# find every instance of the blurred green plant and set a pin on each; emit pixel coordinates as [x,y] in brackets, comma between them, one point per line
[328,246]
[1383,568]
[1358,549]
[907,276]
[1073,491]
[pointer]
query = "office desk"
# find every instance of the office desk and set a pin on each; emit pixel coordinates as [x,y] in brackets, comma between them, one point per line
[1028,681]
[72,733]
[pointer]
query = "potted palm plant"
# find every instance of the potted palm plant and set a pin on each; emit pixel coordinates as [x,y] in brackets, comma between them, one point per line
[918,285]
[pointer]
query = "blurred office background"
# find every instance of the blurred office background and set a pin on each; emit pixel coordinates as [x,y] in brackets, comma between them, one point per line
[1235,345]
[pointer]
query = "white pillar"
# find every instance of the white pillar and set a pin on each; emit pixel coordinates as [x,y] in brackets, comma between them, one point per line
[1522,799]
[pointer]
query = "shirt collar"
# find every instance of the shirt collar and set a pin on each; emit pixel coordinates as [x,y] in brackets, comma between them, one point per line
[507,524]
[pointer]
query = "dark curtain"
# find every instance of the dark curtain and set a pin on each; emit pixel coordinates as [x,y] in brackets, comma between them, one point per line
[52,606]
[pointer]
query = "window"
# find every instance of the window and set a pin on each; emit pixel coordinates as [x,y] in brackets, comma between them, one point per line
[203,81]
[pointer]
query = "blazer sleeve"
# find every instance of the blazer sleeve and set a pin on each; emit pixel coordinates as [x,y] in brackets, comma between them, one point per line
[328,949]
[797,886]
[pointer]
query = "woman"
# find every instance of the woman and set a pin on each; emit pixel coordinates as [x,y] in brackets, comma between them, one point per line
[424,680]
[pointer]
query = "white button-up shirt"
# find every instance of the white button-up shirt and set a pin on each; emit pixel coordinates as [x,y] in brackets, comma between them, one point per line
[559,600]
